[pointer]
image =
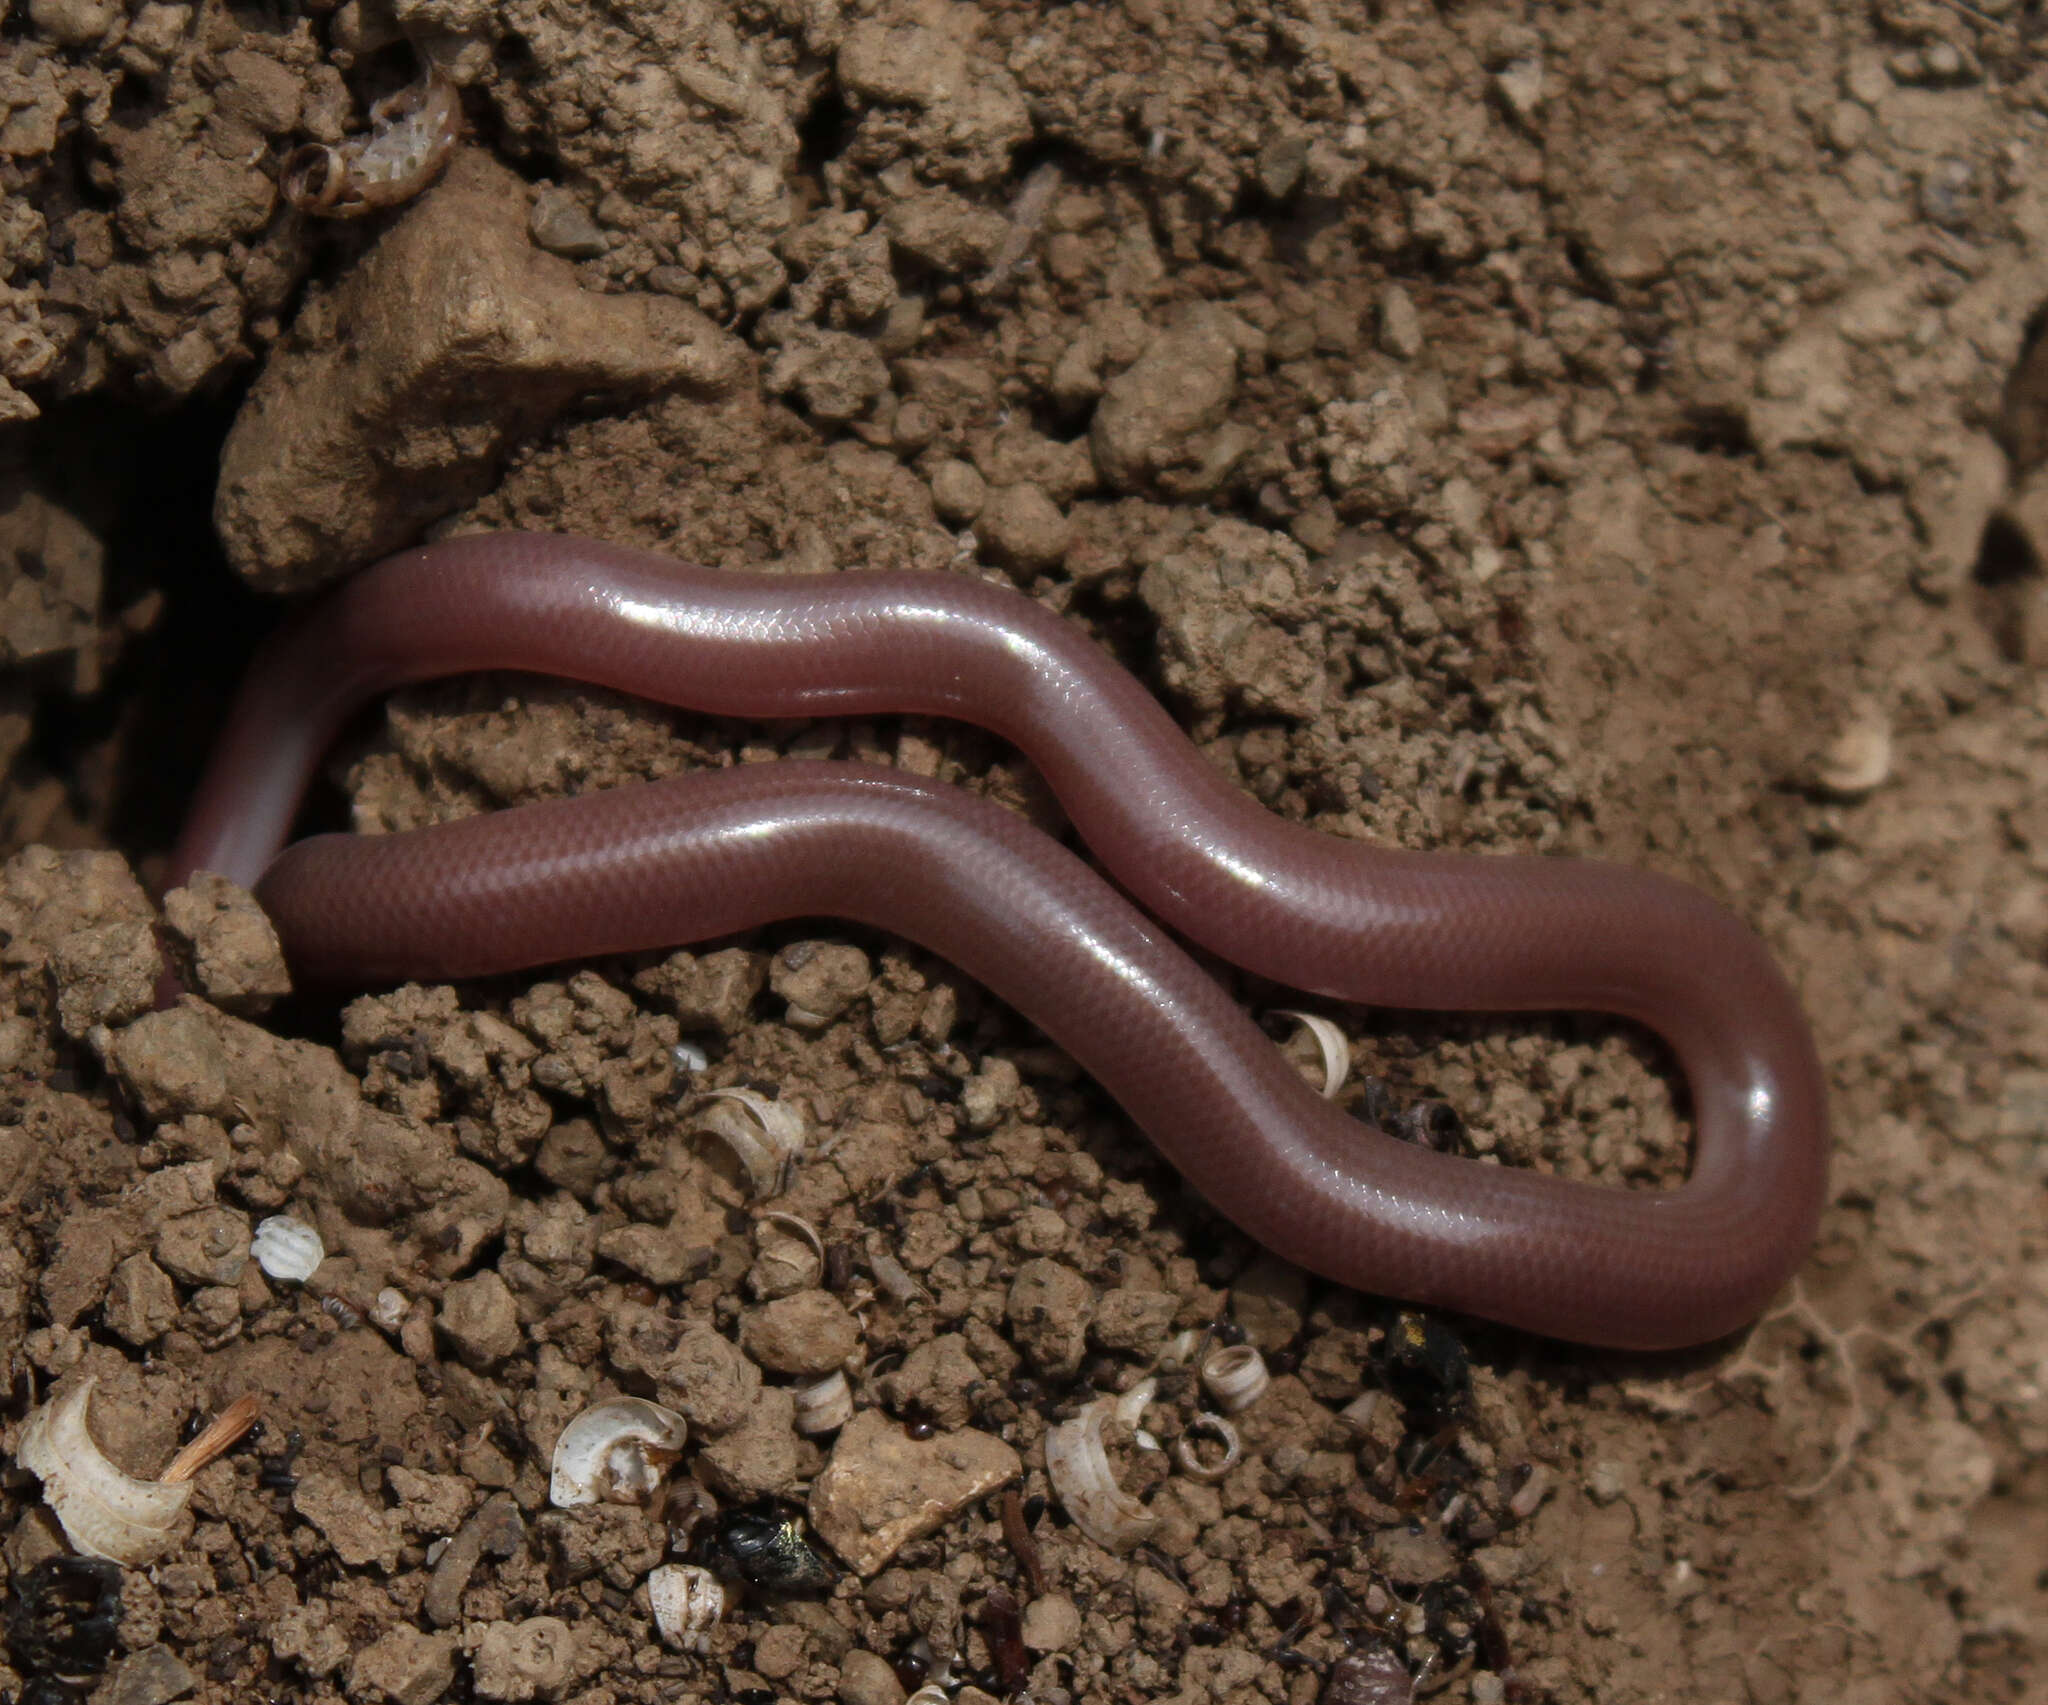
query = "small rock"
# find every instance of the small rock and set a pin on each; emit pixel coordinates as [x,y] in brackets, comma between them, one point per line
[306,1635]
[152,1676]
[944,230]
[1153,423]
[1162,1603]
[707,991]
[820,980]
[142,1303]
[255,88]
[1050,1307]
[1039,1230]
[882,1488]
[1519,84]
[759,1458]
[1410,1557]
[72,23]
[835,374]
[1280,165]
[810,1333]
[696,1371]
[1052,1624]
[990,1093]
[517,1661]
[83,919]
[1948,193]
[868,1679]
[1605,1483]
[1502,1565]
[496,1530]
[1268,1301]
[210,1247]
[933,1380]
[1133,1321]
[80,1263]
[573,1156]
[429,1504]
[214,1313]
[958,492]
[1400,324]
[655,1252]
[404,1666]
[480,1319]
[227,950]
[616,1541]
[780,1651]
[359,1532]
[173,1190]
[1020,527]
[559,224]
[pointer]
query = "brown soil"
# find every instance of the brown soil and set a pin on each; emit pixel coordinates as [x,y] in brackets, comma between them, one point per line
[1610,429]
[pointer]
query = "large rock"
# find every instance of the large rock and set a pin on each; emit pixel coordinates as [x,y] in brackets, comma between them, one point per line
[883,1488]
[396,395]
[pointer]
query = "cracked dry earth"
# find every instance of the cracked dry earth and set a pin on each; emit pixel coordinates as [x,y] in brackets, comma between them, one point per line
[1610,429]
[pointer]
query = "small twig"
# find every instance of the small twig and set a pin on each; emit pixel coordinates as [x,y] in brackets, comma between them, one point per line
[220,1433]
[1022,1544]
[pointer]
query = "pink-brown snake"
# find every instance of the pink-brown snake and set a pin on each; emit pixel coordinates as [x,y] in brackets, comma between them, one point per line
[704,855]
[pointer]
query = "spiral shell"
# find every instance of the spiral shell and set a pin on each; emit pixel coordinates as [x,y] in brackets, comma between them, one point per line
[1236,1377]
[287,1249]
[1077,1463]
[687,1602]
[615,1453]
[104,1512]
[826,1406]
[766,1136]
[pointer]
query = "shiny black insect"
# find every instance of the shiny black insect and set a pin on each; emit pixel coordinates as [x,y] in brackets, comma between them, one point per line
[764,1545]
[275,1473]
[63,1615]
[1423,1362]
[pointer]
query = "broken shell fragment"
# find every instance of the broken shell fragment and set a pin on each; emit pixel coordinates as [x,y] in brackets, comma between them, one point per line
[287,1249]
[1858,760]
[1236,1377]
[687,1602]
[789,1256]
[615,1453]
[895,1280]
[1330,1043]
[1360,1410]
[766,1136]
[1534,1490]
[104,1512]
[826,1406]
[390,1309]
[1077,1463]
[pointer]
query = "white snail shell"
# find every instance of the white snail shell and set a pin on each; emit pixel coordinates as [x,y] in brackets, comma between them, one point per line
[104,1512]
[287,1249]
[615,1453]
[687,1602]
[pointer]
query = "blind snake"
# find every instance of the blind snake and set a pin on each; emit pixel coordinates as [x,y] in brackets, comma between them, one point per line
[702,855]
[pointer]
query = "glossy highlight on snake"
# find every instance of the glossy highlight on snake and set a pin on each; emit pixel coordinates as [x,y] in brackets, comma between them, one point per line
[702,855]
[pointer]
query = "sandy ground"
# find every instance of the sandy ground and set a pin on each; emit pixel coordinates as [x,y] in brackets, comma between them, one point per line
[1606,429]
